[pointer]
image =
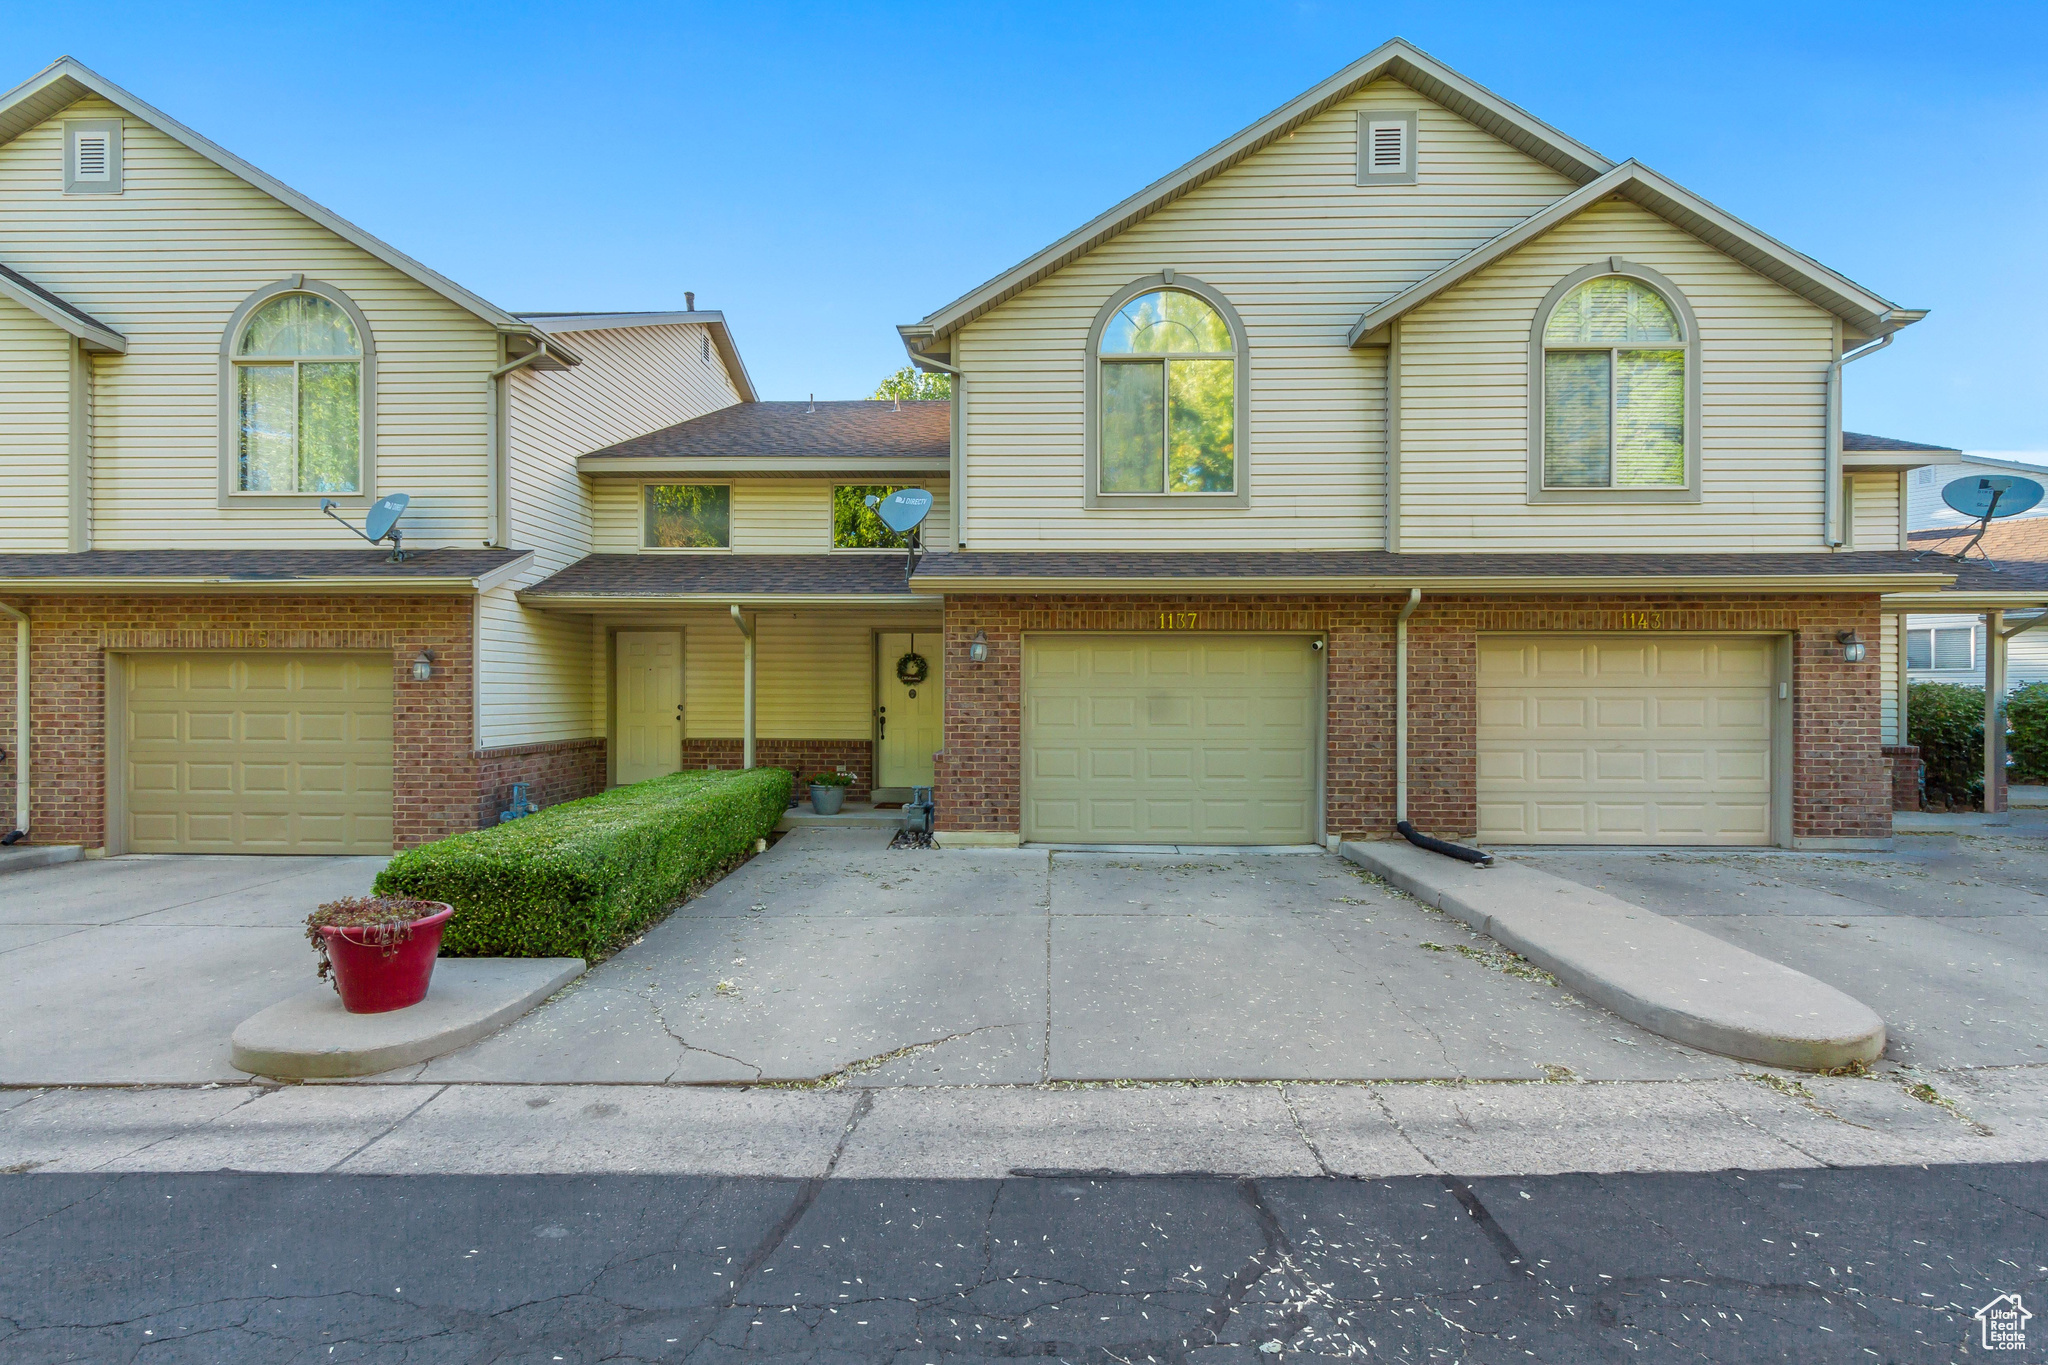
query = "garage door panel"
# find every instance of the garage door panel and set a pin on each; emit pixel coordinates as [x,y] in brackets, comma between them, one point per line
[1673,740]
[259,753]
[1209,740]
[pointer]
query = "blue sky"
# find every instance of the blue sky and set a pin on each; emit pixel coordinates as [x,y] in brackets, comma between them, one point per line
[822,173]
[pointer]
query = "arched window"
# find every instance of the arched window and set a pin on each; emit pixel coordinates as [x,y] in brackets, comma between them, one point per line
[1617,386]
[1166,396]
[296,360]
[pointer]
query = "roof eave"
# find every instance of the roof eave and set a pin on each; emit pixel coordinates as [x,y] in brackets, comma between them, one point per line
[94,335]
[66,81]
[1867,461]
[1396,58]
[1455,584]
[761,464]
[598,601]
[556,324]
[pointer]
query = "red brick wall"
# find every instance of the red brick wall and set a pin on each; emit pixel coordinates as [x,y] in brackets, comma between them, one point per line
[801,756]
[1841,779]
[1905,761]
[556,772]
[435,775]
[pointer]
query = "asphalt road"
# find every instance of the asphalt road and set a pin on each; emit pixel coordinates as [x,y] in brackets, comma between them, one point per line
[1865,1264]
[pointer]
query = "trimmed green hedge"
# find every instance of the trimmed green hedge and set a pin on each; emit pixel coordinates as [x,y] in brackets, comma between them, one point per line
[2026,741]
[576,879]
[1947,722]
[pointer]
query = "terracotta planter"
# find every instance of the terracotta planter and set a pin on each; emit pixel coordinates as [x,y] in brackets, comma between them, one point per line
[827,800]
[374,978]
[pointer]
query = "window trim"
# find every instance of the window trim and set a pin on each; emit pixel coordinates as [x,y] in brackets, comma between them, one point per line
[72,128]
[640,517]
[1092,498]
[1406,176]
[366,446]
[1682,310]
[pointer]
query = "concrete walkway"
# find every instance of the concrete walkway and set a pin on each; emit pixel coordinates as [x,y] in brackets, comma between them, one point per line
[834,956]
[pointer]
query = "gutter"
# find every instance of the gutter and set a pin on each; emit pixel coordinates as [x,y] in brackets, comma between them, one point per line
[1401,705]
[499,514]
[936,581]
[381,585]
[20,830]
[586,601]
[742,465]
[1832,532]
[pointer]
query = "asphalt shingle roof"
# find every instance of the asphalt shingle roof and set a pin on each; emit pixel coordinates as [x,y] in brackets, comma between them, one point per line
[1378,563]
[73,309]
[255,565]
[858,429]
[1856,440]
[663,575]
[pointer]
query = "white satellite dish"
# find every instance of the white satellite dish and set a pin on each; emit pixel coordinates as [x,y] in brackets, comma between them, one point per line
[382,522]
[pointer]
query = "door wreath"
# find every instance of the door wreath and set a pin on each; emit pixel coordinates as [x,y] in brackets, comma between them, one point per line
[912,669]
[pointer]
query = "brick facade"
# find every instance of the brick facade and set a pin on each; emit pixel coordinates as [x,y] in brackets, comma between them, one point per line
[1905,761]
[1841,780]
[801,756]
[437,773]
[553,773]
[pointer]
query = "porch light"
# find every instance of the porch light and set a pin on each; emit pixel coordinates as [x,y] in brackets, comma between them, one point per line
[1852,648]
[977,648]
[423,665]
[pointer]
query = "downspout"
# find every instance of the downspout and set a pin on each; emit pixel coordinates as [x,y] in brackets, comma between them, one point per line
[1401,705]
[1995,636]
[20,830]
[747,724]
[499,513]
[956,439]
[1832,532]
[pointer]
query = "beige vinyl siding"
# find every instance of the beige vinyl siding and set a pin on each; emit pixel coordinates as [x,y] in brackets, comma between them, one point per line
[1889,664]
[166,262]
[536,673]
[1874,511]
[35,433]
[769,516]
[814,673]
[1300,251]
[1465,392]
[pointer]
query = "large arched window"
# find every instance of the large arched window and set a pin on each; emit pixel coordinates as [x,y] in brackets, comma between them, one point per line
[1166,391]
[295,380]
[1615,377]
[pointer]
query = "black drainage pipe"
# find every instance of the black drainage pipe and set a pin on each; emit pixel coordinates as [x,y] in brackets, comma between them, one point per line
[13,836]
[1458,851]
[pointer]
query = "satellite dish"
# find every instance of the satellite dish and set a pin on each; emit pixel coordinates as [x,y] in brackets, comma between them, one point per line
[383,516]
[902,510]
[1992,495]
[381,524]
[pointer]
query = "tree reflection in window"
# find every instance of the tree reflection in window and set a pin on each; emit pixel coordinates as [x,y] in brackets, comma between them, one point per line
[689,516]
[1169,397]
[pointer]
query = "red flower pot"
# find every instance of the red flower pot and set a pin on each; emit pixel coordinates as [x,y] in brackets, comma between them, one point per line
[375,977]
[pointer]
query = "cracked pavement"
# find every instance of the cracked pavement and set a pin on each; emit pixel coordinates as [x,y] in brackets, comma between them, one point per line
[1819,1265]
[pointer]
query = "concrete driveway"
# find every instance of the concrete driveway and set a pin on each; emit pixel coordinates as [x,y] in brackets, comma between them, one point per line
[834,956]
[131,970]
[1946,937]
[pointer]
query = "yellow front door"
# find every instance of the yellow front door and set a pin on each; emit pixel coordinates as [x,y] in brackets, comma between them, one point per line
[650,704]
[910,716]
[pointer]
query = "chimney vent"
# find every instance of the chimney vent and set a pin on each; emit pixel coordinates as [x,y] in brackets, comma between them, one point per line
[690,300]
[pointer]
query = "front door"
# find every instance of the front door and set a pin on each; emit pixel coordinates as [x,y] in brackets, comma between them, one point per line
[650,704]
[910,710]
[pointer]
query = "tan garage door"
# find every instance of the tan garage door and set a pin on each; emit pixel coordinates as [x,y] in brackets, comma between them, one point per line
[258,753]
[1587,739]
[1166,739]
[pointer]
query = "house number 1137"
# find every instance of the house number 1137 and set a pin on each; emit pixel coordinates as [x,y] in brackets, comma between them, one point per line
[1176,620]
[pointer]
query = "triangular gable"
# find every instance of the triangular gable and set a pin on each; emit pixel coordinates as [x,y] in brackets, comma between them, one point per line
[66,81]
[1396,59]
[60,313]
[1866,316]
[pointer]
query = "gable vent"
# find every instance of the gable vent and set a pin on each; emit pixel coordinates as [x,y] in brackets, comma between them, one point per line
[92,157]
[1389,147]
[1386,147]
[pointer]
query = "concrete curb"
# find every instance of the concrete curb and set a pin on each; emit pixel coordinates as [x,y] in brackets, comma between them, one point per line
[311,1036]
[1668,977]
[22,858]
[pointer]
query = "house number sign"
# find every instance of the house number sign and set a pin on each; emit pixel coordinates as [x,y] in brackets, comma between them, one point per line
[1177,620]
[1642,620]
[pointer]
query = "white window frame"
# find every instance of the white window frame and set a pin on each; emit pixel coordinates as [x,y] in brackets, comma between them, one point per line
[1688,325]
[230,495]
[1934,649]
[640,516]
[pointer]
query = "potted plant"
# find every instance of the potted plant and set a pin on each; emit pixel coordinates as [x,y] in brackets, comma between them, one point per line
[828,792]
[380,950]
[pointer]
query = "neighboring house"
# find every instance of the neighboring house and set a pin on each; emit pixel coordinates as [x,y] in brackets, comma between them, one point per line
[193,358]
[1950,647]
[1925,511]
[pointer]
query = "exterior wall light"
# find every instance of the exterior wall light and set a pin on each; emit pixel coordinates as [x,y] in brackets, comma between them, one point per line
[1852,648]
[423,665]
[977,649]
